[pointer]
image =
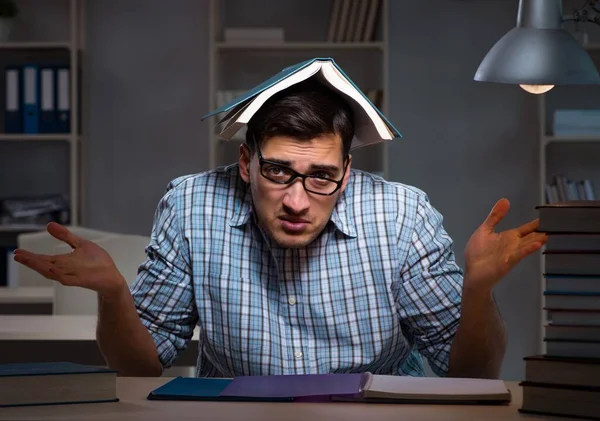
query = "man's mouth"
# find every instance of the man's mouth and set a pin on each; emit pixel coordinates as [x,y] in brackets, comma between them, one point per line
[292,224]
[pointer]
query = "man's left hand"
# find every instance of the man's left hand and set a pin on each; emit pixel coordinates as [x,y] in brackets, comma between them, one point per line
[490,255]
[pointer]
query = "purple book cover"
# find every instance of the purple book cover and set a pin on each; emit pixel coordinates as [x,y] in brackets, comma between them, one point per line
[296,386]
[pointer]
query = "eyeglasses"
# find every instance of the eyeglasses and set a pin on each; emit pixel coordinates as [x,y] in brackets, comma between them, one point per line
[282,174]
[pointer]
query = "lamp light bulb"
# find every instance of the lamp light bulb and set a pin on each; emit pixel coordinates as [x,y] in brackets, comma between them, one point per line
[537,89]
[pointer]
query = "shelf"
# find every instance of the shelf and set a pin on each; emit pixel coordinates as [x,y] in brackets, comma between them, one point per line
[58,137]
[592,46]
[22,227]
[571,138]
[300,46]
[25,45]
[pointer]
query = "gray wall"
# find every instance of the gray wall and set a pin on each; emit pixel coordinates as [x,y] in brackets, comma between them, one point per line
[467,143]
[147,84]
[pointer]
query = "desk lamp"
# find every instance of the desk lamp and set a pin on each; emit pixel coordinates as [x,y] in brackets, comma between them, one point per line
[538,53]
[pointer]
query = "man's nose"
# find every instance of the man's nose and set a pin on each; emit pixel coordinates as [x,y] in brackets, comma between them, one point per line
[296,198]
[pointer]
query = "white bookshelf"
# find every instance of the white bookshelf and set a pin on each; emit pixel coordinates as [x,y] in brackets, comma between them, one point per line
[17,228]
[571,139]
[300,46]
[32,45]
[70,48]
[37,137]
[249,59]
[561,161]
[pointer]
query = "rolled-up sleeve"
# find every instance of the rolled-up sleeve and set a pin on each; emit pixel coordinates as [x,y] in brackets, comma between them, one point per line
[163,292]
[430,288]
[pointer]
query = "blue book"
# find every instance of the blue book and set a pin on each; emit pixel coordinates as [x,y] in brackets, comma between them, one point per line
[54,383]
[332,387]
[371,125]
[202,389]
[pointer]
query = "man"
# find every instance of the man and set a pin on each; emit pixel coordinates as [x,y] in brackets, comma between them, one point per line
[292,262]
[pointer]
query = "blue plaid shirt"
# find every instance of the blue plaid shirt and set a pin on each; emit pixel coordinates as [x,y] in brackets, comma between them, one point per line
[377,291]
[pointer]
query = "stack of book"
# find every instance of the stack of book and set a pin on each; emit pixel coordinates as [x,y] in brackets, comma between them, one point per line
[565,380]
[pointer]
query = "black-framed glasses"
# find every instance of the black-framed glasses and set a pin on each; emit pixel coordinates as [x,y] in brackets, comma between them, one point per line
[282,174]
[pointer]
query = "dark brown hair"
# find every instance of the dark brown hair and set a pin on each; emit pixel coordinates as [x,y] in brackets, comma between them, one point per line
[303,111]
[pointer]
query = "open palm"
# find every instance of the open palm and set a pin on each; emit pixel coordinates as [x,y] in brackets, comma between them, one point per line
[490,255]
[88,265]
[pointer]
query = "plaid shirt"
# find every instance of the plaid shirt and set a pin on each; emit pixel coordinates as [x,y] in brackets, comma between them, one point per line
[376,291]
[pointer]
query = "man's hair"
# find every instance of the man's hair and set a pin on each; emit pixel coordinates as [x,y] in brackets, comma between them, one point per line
[303,111]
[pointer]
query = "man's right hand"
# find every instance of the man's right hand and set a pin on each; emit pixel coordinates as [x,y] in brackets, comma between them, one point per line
[88,265]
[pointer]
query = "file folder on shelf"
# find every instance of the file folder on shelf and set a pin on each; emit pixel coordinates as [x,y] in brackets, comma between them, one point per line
[31,96]
[63,100]
[13,122]
[47,101]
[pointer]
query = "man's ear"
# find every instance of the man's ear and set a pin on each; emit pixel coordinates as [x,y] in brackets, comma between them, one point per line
[347,174]
[245,158]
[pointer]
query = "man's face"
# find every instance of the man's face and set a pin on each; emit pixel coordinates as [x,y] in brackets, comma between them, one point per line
[290,215]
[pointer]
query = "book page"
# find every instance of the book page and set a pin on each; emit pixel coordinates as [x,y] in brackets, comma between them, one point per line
[290,80]
[366,115]
[435,388]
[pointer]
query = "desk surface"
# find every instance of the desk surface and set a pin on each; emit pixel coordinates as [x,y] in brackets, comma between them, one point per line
[29,338]
[26,295]
[51,328]
[133,405]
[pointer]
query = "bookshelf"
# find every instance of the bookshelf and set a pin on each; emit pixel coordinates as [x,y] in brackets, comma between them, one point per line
[574,156]
[32,45]
[300,46]
[311,28]
[45,33]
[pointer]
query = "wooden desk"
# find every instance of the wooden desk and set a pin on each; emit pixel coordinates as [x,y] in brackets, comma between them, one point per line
[133,405]
[36,338]
[26,300]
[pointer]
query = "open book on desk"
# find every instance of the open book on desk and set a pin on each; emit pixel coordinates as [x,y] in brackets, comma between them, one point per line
[350,387]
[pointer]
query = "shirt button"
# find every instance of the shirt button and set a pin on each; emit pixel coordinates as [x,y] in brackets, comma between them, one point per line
[291,301]
[298,355]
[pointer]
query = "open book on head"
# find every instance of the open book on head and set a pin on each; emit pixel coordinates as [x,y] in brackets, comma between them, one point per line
[348,387]
[371,126]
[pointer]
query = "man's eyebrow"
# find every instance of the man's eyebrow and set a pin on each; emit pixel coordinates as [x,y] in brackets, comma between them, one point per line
[313,167]
[324,167]
[279,161]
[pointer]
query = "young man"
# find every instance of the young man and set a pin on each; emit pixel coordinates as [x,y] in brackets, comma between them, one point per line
[293,262]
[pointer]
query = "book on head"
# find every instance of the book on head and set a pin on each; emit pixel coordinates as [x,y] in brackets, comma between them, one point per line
[371,125]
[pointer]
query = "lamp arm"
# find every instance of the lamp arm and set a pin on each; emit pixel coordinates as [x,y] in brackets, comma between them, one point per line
[589,12]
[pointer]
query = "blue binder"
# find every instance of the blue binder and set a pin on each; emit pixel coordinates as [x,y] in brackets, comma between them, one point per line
[47,100]
[31,99]
[63,100]
[13,89]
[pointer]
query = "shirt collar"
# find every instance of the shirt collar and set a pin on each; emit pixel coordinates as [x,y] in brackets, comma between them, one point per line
[242,202]
[341,217]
